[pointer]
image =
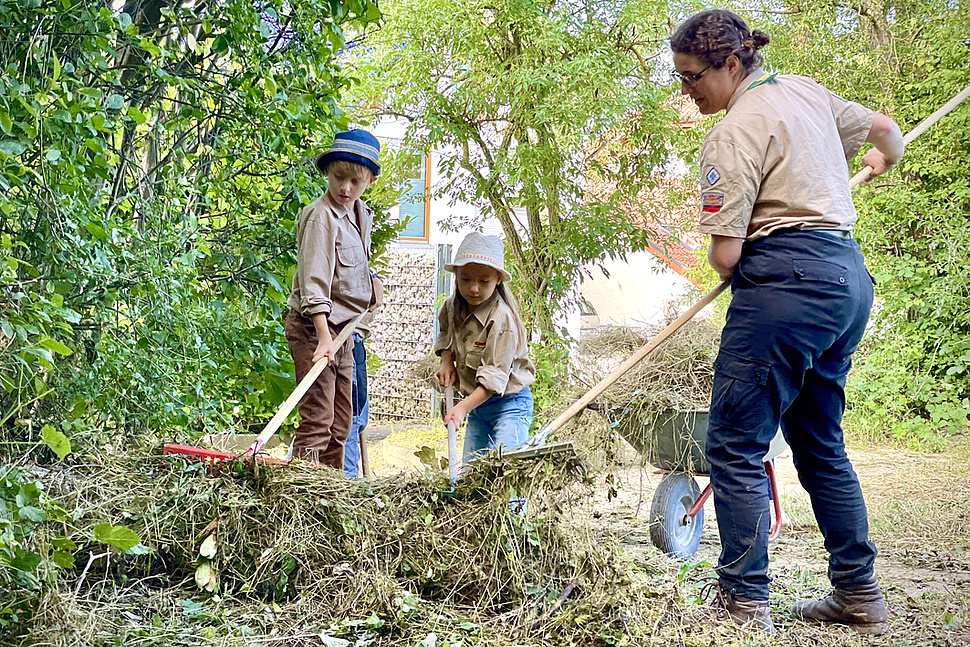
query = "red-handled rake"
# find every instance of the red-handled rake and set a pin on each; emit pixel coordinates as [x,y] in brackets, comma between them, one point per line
[215,458]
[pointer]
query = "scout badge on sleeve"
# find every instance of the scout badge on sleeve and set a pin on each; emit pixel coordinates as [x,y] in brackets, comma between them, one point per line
[711,201]
[712,176]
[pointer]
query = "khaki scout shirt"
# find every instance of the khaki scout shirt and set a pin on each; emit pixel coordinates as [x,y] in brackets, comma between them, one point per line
[332,252]
[777,160]
[486,348]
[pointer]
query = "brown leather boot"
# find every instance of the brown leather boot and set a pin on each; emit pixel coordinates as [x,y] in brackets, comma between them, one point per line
[754,614]
[861,607]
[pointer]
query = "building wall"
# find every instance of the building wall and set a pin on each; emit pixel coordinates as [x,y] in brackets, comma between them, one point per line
[636,292]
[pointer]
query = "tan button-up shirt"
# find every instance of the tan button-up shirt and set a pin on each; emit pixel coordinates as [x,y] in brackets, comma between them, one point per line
[332,253]
[777,159]
[487,348]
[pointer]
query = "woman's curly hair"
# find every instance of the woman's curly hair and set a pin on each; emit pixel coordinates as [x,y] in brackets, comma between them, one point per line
[716,34]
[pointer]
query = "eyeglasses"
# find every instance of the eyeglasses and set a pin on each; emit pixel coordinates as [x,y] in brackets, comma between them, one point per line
[690,79]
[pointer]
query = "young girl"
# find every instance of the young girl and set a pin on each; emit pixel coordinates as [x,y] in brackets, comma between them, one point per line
[483,348]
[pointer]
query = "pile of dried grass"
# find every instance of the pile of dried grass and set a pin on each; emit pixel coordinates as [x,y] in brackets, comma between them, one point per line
[298,551]
[676,375]
[652,405]
[425,370]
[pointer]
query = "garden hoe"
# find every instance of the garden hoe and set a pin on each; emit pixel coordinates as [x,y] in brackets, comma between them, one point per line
[536,445]
[215,458]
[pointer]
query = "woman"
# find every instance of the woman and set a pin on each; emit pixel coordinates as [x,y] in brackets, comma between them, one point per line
[776,202]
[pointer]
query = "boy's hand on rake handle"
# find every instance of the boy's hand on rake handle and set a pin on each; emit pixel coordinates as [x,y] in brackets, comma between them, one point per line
[324,349]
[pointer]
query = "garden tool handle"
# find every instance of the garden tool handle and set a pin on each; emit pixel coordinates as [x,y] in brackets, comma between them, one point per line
[364,458]
[277,421]
[452,435]
[864,174]
[608,381]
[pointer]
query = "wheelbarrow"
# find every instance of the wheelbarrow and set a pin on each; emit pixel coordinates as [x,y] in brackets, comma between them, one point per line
[674,444]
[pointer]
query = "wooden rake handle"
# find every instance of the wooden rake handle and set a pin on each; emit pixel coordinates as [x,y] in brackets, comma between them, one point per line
[864,174]
[277,421]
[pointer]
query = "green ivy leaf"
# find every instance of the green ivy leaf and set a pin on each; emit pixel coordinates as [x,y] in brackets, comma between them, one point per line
[116,102]
[56,440]
[6,123]
[117,536]
[26,562]
[63,559]
[32,514]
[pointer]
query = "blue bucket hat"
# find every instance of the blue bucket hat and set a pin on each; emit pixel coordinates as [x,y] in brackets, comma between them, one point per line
[355,146]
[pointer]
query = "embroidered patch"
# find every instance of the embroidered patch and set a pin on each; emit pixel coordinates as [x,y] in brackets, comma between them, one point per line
[479,344]
[712,202]
[713,176]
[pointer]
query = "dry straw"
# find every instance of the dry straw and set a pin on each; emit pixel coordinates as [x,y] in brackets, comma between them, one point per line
[300,551]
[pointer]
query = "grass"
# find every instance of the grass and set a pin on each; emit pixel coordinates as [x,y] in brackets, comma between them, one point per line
[407,561]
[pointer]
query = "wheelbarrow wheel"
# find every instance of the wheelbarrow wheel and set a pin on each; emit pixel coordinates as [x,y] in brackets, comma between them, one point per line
[671,530]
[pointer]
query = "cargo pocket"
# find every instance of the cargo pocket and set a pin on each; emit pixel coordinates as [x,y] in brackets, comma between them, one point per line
[353,279]
[741,398]
[810,269]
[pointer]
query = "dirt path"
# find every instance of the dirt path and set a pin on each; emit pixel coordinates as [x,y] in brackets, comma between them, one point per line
[919,508]
[919,511]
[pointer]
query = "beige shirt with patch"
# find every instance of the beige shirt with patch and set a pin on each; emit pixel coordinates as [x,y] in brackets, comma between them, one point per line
[332,253]
[771,163]
[486,348]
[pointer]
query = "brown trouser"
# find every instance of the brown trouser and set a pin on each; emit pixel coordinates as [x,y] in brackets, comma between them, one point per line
[326,410]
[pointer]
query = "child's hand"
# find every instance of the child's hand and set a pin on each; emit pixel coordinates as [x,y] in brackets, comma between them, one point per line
[447,373]
[456,415]
[324,349]
[378,294]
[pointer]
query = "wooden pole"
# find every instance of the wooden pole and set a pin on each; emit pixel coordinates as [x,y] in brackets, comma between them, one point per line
[608,381]
[277,421]
[452,435]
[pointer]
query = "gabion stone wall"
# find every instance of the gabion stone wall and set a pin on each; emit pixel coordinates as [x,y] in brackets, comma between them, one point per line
[403,333]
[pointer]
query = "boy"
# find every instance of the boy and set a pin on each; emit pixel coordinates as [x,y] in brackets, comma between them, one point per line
[331,287]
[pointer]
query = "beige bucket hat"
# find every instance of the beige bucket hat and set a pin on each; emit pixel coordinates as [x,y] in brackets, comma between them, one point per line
[481,249]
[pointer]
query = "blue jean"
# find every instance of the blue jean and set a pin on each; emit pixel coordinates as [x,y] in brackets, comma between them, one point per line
[361,405]
[800,305]
[500,421]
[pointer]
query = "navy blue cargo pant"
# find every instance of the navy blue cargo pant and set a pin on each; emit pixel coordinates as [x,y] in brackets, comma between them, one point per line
[800,305]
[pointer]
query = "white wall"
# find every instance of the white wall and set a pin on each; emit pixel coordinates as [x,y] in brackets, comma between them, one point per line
[636,291]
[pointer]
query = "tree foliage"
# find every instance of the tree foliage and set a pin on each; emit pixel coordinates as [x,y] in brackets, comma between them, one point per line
[152,162]
[905,59]
[521,102]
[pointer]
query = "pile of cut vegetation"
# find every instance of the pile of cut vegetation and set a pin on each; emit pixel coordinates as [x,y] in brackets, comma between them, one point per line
[253,555]
[678,374]
[658,400]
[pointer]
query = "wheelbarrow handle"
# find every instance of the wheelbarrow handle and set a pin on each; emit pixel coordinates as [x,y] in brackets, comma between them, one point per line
[622,369]
[277,421]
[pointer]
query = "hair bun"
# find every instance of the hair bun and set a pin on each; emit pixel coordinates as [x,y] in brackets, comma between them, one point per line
[760,39]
